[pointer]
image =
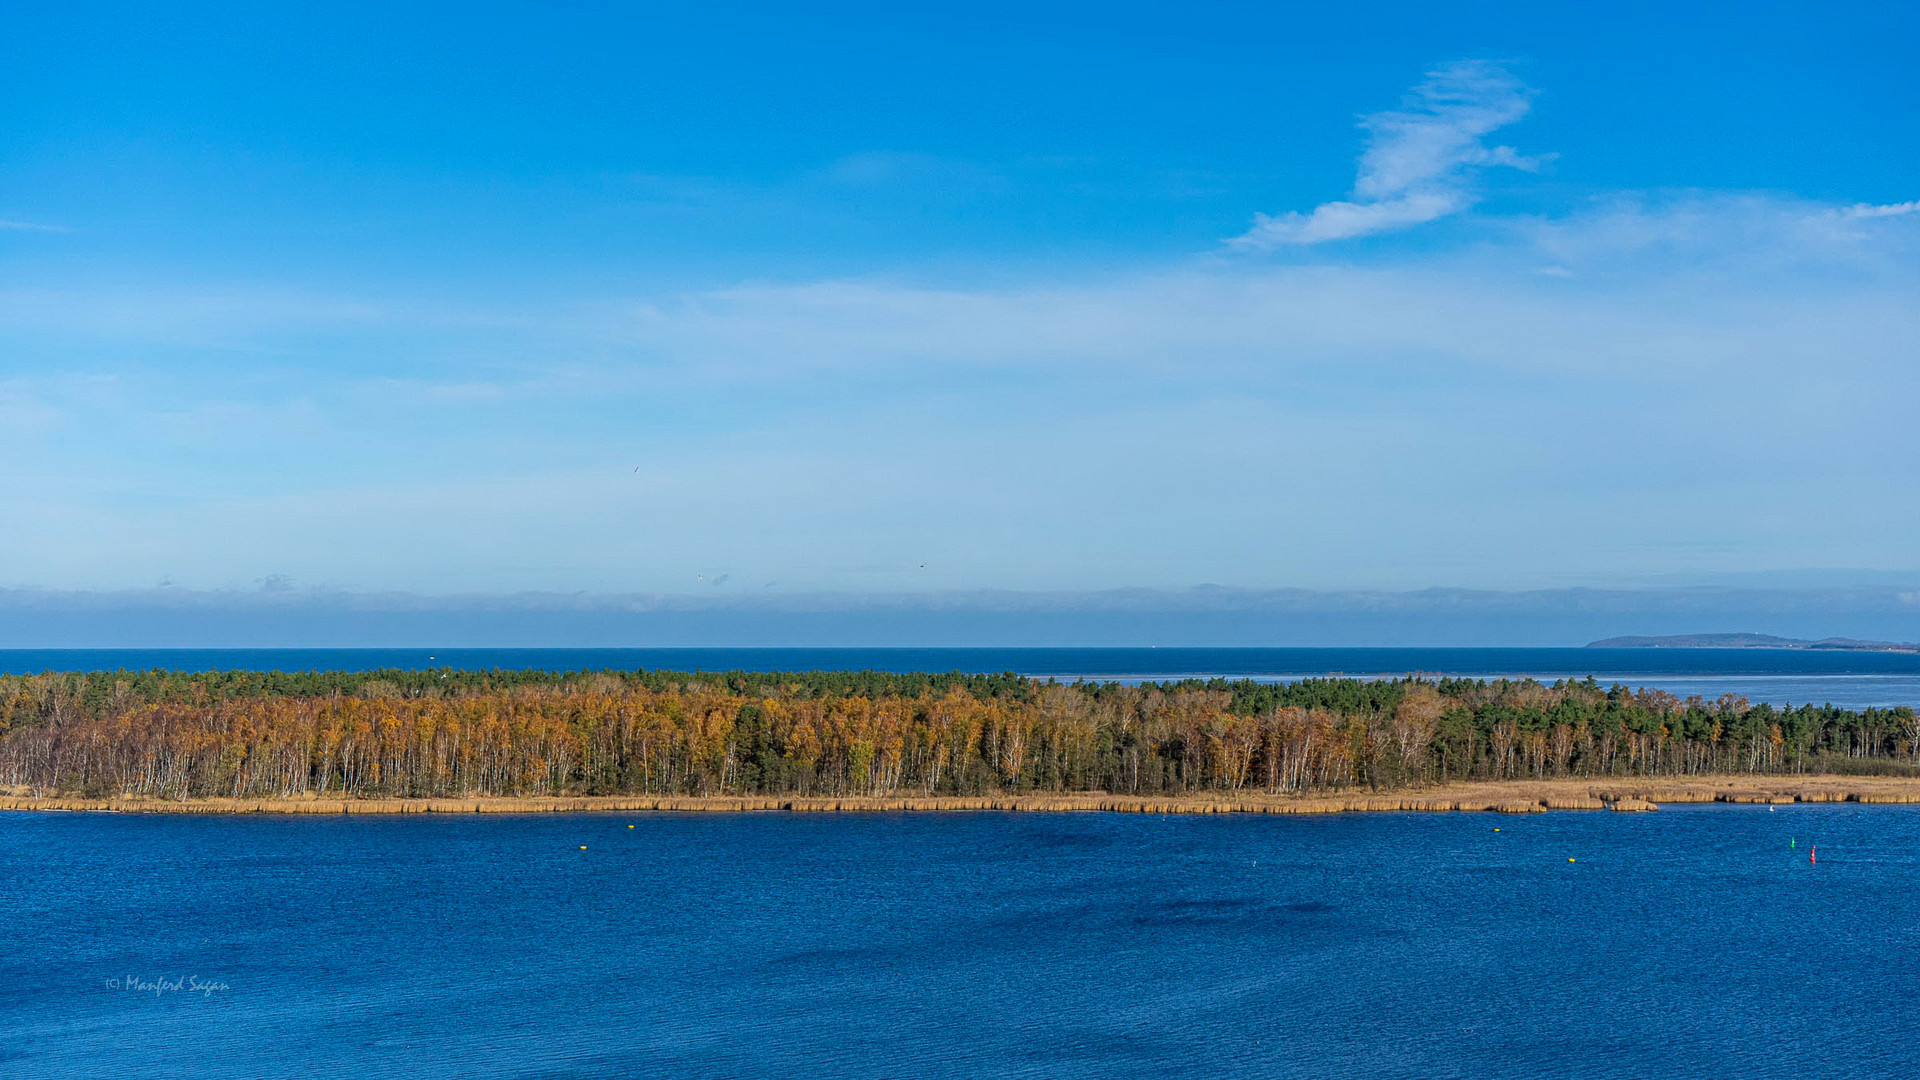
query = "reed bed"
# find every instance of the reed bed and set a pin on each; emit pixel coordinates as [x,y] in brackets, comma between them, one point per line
[1510,798]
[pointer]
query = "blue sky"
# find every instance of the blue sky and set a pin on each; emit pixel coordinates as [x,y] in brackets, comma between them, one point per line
[753,299]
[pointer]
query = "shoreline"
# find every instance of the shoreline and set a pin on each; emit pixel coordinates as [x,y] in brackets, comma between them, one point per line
[1511,797]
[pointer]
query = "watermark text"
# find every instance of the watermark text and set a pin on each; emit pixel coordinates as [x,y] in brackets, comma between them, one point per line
[160,984]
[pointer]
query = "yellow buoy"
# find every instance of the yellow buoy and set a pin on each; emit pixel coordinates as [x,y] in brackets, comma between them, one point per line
[583,847]
[629,826]
[1569,860]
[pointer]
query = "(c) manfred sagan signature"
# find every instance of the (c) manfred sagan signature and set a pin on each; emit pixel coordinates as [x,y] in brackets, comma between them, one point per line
[192,984]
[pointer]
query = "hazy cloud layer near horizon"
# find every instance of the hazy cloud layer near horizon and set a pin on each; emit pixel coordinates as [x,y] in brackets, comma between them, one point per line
[1207,616]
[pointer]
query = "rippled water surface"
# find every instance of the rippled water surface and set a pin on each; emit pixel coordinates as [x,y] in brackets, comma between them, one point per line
[1692,942]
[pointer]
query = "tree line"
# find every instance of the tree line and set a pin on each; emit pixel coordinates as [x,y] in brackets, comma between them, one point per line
[443,732]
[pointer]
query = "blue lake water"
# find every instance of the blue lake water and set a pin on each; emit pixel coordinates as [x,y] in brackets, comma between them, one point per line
[1692,942]
[1847,679]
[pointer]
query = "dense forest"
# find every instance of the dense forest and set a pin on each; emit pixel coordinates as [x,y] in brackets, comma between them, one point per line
[445,732]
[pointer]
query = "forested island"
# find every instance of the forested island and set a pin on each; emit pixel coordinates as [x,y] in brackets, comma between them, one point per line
[441,733]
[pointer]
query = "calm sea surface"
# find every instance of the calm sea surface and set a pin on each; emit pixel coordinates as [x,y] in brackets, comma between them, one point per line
[1692,942]
[1850,680]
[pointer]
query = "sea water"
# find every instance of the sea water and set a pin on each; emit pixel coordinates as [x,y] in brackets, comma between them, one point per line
[1691,942]
[1848,679]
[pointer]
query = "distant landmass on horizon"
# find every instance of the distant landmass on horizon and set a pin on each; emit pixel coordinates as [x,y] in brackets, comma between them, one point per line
[1749,641]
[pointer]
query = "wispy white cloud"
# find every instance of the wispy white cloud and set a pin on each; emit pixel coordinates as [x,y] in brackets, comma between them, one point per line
[32,226]
[1870,210]
[1608,291]
[1420,159]
[1744,234]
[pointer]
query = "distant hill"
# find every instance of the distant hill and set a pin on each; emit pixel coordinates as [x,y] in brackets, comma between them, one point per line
[1750,641]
